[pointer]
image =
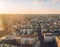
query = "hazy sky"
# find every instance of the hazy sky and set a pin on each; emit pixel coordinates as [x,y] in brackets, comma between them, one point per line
[30,6]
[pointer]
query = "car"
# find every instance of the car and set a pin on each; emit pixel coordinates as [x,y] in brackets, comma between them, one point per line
[48,37]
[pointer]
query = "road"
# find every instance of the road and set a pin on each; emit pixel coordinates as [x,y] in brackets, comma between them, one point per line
[49,44]
[58,41]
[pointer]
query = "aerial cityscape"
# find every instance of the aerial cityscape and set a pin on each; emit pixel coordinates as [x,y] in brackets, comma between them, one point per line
[29,23]
[29,30]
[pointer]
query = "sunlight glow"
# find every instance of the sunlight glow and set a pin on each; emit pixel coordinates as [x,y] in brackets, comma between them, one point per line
[1,24]
[1,5]
[29,7]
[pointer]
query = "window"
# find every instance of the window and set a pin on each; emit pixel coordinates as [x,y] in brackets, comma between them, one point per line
[26,41]
[21,31]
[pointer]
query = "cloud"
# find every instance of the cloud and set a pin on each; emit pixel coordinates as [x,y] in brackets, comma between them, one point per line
[38,2]
[55,1]
[45,1]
